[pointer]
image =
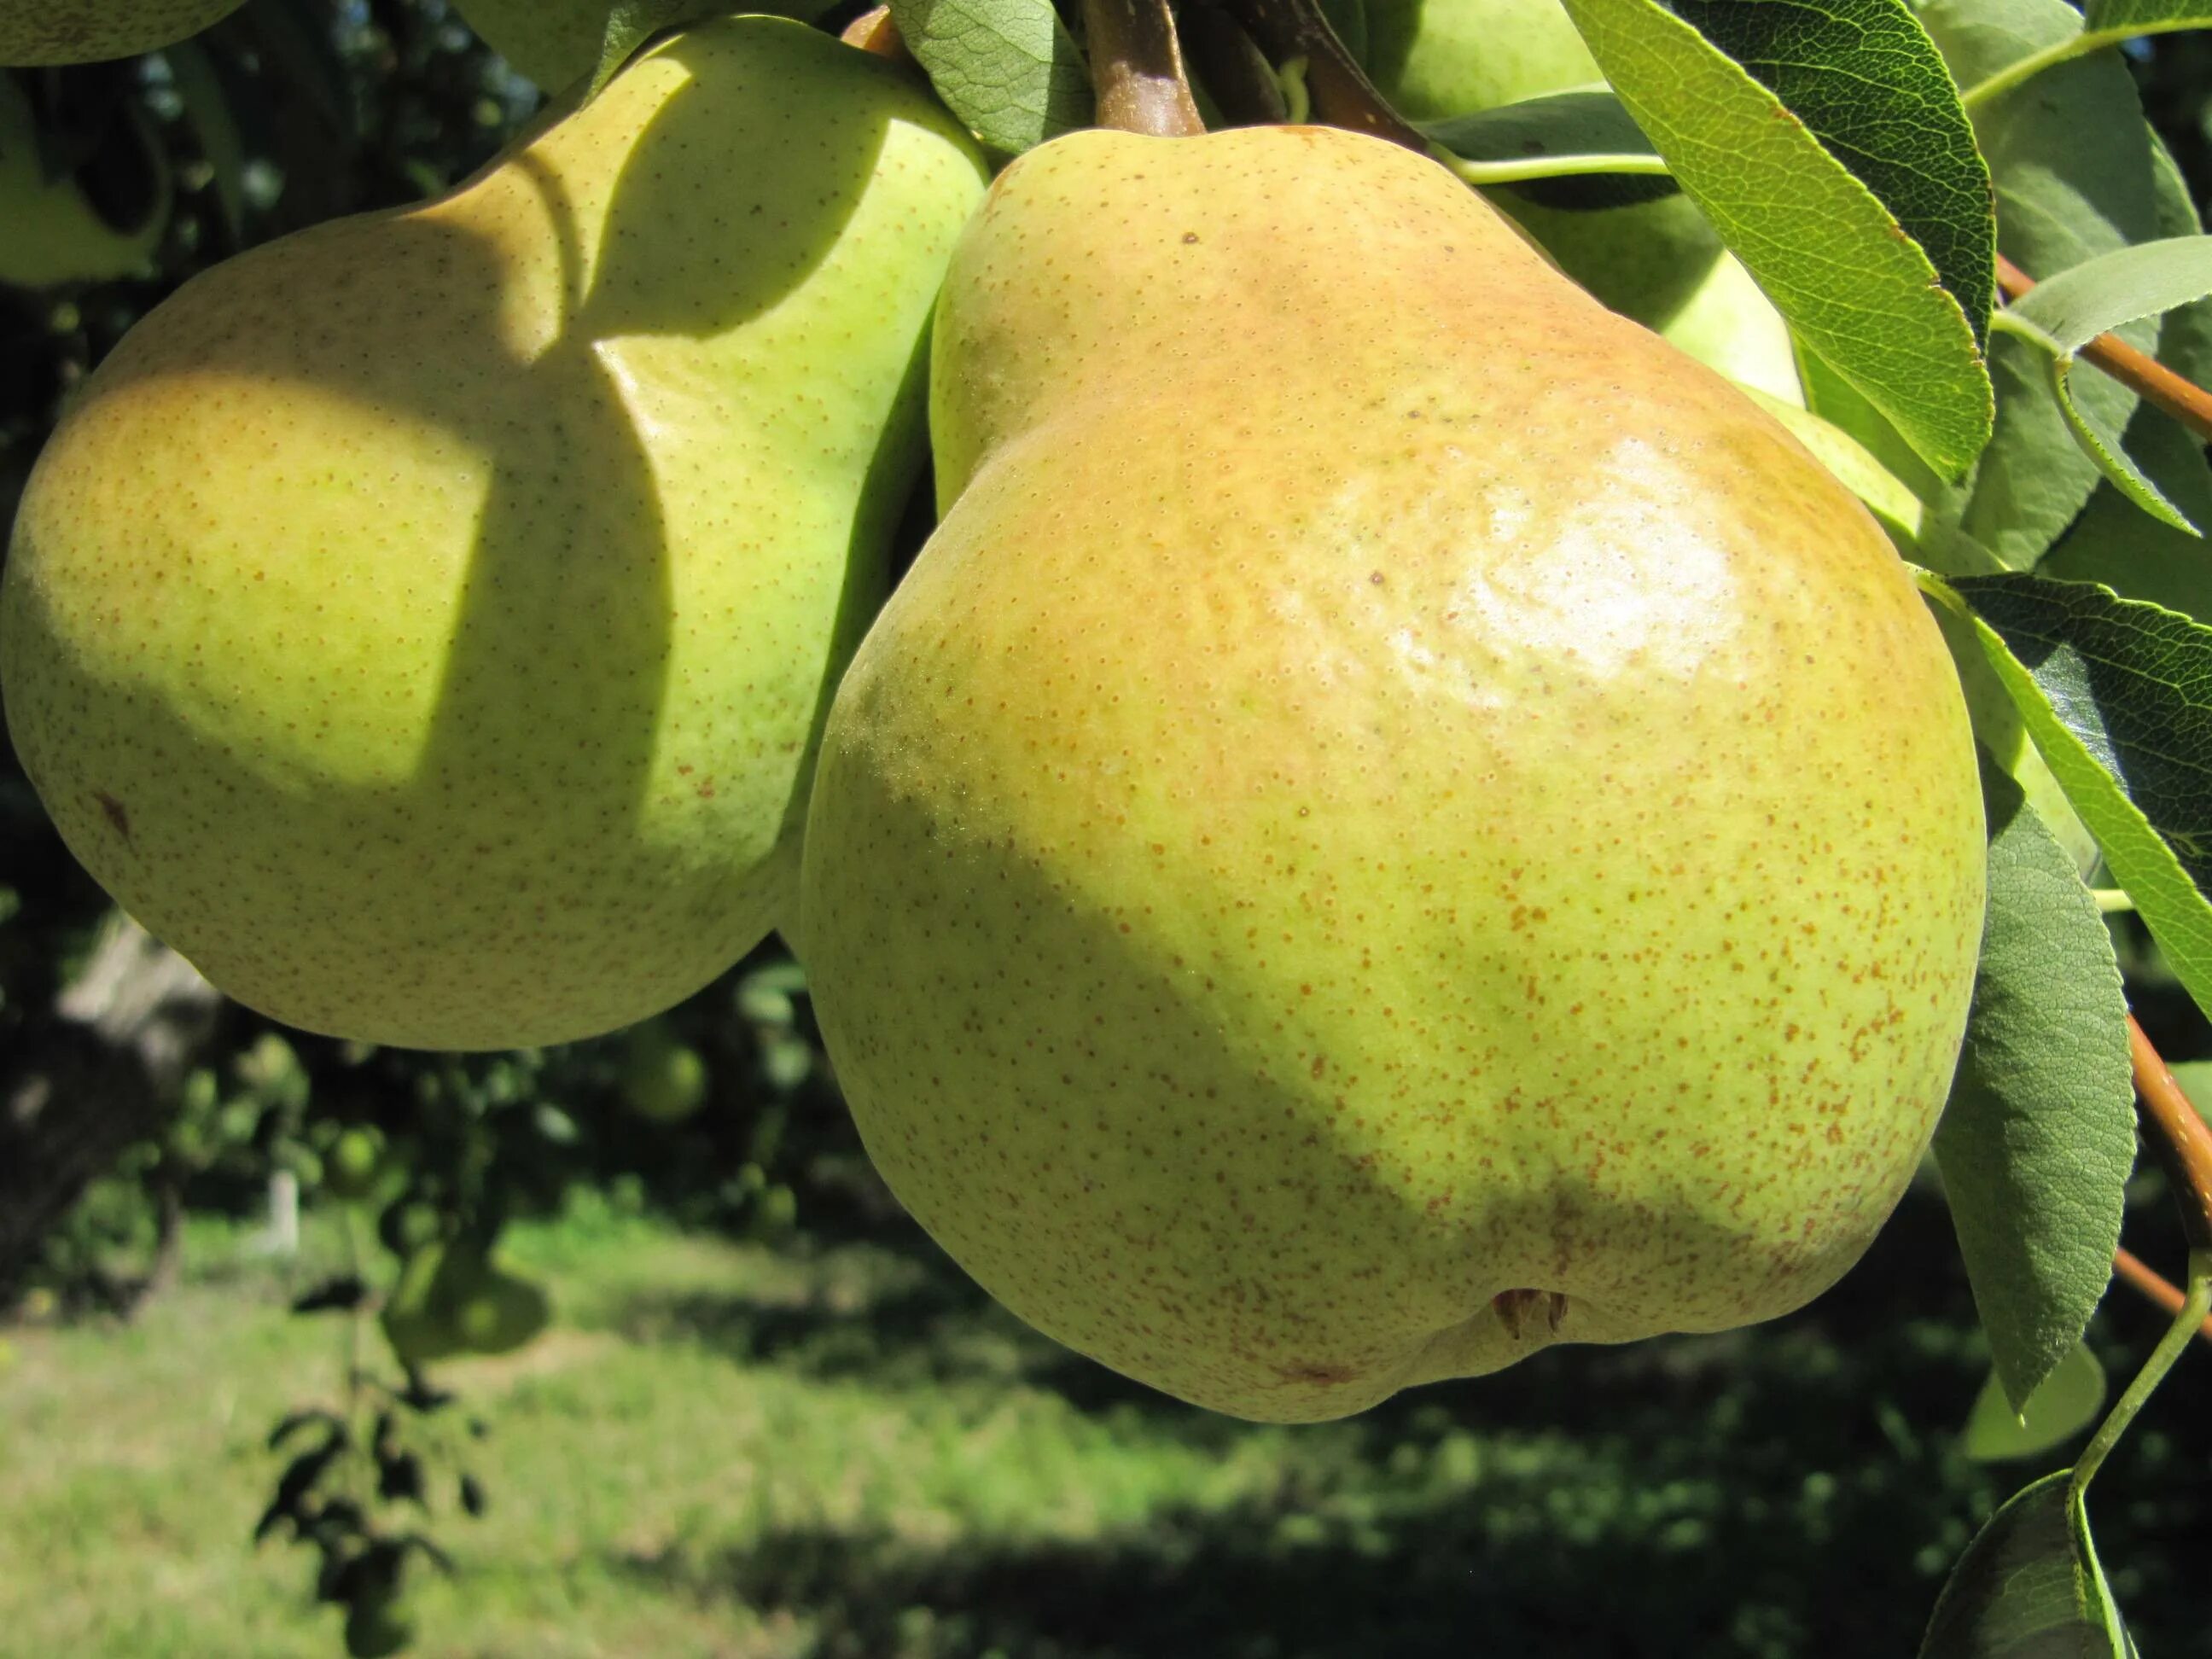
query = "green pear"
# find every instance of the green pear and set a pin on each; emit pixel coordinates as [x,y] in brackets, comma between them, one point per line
[59,230]
[452,1299]
[415,1320]
[663,1079]
[425,623]
[492,1311]
[1436,58]
[1449,833]
[357,1163]
[555,42]
[1656,261]
[91,31]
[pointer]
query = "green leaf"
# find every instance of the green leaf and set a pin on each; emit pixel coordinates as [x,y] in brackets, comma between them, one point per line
[2029,1587]
[630,24]
[2039,1137]
[1582,126]
[1868,82]
[2113,542]
[2063,1404]
[2118,697]
[1007,68]
[1841,201]
[2119,19]
[2064,313]
[2070,310]
[2071,161]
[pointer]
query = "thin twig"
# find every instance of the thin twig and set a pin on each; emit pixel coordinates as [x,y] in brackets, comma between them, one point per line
[2153,1287]
[2182,1139]
[2187,402]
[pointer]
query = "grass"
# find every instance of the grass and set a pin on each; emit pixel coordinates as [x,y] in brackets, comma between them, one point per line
[838,1451]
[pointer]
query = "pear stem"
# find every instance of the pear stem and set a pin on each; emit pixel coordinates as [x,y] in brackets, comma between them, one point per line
[2184,400]
[2194,1309]
[1342,95]
[1136,68]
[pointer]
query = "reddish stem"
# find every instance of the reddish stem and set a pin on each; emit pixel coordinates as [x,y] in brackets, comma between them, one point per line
[2184,400]
[2153,1287]
[2180,1138]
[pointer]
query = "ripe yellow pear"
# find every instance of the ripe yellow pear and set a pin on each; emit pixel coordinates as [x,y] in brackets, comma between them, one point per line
[1398,819]
[91,31]
[425,623]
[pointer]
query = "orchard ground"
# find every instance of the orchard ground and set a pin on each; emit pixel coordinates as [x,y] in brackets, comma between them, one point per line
[835,1447]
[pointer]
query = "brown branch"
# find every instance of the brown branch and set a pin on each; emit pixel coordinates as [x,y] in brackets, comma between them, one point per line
[2154,1287]
[2184,400]
[1342,95]
[2182,1139]
[1136,68]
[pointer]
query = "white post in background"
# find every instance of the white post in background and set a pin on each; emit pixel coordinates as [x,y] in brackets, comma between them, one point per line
[283,1214]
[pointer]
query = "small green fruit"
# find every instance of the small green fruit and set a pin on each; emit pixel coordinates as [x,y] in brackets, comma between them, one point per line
[414,1323]
[495,1312]
[452,1299]
[663,1079]
[355,1163]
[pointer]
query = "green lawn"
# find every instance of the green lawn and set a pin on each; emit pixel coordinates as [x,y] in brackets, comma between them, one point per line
[838,1451]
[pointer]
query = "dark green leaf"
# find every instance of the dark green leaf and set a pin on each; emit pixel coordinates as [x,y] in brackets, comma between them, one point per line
[2072,162]
[2113,543]
[2063,1404]
[2038,1138]
[2028,1587]
[1006,68]
[1850,258]
[1588,122]
[2118,697]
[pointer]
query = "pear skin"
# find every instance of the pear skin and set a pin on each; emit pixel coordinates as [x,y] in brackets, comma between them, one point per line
[425,623]
[1436,58]
[1656,261]
[92,31]
[1397,821]
[557,42]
